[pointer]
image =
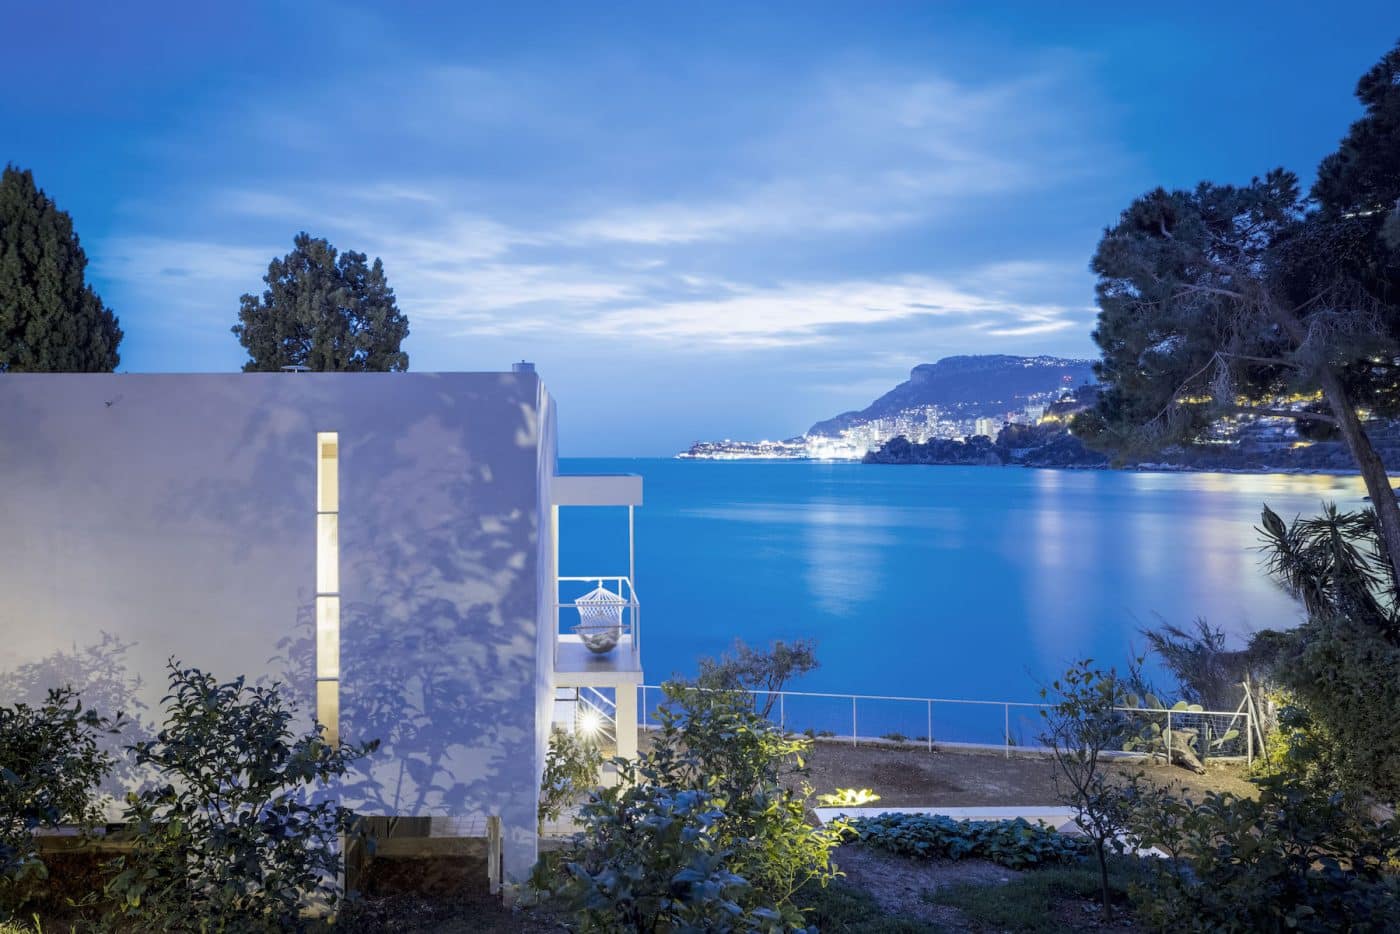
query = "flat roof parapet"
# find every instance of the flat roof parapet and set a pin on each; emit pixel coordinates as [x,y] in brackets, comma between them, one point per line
[597,490]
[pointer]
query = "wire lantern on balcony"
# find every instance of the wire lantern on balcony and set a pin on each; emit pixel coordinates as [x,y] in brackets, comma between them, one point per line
[600,619]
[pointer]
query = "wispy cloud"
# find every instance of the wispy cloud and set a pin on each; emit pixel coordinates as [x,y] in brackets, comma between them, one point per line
[830,229]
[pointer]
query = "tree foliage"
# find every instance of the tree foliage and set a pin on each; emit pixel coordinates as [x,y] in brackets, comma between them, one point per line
[323,310]
[1225,300]
[51,320]
[233,836]
[765,672]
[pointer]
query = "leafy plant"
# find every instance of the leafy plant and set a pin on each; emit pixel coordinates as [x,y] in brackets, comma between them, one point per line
[571,767]
[701,831]
[1081,724]
[1016,844]
[50,767]
[1295,859]
[234,837]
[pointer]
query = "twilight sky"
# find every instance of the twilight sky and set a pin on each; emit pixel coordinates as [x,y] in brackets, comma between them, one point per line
[699,220]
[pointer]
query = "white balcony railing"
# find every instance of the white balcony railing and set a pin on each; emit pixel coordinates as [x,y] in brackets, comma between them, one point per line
[572,608]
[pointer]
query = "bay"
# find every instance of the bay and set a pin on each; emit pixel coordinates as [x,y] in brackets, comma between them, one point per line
[950,582]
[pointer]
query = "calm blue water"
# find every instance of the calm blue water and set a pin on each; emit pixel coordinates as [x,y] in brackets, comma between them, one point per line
[958,582]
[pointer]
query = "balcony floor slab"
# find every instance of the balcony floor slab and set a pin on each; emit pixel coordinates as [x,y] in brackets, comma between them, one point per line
[576,666]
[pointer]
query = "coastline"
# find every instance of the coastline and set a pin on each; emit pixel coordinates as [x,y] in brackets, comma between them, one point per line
[1159,467]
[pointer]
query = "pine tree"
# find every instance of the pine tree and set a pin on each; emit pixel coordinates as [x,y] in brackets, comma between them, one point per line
[50,319]
[323,311]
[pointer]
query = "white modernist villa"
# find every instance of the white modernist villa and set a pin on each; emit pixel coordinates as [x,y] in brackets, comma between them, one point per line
[383,544]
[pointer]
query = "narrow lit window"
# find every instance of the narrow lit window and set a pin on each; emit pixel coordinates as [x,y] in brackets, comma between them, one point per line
[327,638]
[328,584]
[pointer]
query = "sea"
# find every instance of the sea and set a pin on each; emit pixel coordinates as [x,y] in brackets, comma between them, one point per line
[968,583]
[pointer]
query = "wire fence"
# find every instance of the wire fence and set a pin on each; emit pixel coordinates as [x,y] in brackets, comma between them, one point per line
[1176,735]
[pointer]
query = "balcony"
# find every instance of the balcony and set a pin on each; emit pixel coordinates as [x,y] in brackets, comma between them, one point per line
[597,618]
[603,611]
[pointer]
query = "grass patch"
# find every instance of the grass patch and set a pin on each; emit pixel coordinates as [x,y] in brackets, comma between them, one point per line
[1043,901]
[841,908]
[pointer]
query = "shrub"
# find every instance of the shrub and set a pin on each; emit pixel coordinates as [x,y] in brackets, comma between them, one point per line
[1015,844]
[701,832]
[571,767]
[233,837]
[1296,859]
[50,767]
[1343,663]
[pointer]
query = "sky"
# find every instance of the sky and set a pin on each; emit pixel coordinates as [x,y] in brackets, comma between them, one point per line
[699,220]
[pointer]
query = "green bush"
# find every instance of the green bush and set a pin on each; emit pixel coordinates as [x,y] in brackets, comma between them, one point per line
[701,832]
[1346,675]
[1343,663]
[50,767]
[1295,859]
[571,768]
[1015,844]
[236,835]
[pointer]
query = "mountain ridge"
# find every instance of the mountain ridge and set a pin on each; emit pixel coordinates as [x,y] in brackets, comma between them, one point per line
[979,384]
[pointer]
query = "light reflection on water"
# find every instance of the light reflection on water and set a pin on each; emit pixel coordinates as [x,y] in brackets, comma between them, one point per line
[944,581]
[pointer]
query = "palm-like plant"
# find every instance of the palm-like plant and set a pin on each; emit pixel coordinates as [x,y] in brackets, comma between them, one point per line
[1336,565]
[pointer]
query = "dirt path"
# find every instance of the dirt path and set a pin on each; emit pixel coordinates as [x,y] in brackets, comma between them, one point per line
[917,778]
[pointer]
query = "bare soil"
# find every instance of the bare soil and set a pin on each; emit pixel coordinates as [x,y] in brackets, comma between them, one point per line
[914,777]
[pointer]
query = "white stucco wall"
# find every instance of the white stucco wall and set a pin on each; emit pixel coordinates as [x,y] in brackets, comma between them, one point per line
[176,515]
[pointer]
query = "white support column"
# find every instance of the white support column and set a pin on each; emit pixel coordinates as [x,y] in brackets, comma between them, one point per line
[627,721]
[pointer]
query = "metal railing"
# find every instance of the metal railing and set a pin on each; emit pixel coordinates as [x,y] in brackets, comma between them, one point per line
[631,610]
[891,720]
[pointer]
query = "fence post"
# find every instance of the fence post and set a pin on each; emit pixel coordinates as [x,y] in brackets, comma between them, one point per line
[1006,729]
[1169,736]
[782,712]
[929,737]
[644,707]
[493,854]
[1248,737]
[853,720]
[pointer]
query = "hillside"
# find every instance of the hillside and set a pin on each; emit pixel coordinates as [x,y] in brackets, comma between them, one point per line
[970,386]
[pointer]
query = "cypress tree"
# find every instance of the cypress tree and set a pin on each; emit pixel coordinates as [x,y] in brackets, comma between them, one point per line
[50,318]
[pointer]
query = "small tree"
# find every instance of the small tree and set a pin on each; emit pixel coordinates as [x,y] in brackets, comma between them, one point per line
[50,767]
[51,321]
[323,311]
[1081,724]
[234,836]
[745,668]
